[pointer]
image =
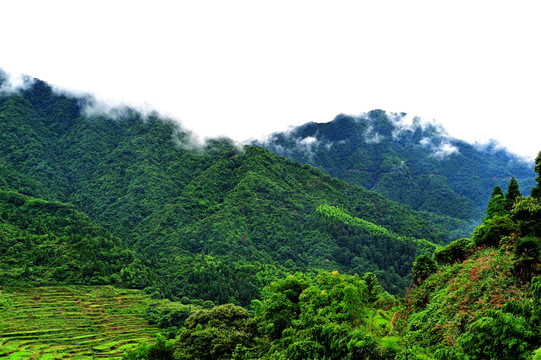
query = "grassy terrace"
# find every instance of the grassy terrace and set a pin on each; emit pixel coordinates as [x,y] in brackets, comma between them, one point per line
[71,322]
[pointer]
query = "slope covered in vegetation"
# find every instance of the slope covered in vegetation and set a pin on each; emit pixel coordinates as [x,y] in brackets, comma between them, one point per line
[415,164]
[300,265]
[211,222]
[476,298]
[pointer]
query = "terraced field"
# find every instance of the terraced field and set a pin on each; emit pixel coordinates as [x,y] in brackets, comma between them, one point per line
[74,322]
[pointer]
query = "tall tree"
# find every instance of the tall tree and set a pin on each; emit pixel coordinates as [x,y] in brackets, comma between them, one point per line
[536,191]
[512,194]
[496,205]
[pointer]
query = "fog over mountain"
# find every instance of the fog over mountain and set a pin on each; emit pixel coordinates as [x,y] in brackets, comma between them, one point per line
[407,160]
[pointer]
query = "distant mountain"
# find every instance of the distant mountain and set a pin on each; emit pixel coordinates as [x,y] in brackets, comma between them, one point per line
[415,164]
[213,222]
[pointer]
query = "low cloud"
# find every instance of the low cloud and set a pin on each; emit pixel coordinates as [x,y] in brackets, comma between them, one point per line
[444,150]
[308,141]
[14,82]
[441,150]
[372,137]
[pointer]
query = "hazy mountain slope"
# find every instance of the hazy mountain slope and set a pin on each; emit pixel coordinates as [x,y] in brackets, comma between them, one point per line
[414,164]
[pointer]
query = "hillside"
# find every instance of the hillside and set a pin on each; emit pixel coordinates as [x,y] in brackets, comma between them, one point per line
[412,163]
[212,222]
[267,258]
[67,322]
[48,243]
[474,299]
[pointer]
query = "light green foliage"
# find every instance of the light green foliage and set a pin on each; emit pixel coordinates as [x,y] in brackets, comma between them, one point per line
[281,305]
[497,205]
[330,320]
[527,214]
[83,321]
[498,335]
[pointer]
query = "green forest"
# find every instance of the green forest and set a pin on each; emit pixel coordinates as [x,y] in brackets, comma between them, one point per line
[415,164]
[228,251]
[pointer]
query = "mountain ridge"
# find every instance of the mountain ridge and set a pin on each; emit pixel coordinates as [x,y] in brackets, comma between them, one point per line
[416,164]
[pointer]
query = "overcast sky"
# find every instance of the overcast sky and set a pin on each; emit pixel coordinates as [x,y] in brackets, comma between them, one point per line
[248,68]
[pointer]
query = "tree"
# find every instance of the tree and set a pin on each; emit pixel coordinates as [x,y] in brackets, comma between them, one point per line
[281,305]
[527,214]
[527,254]
[372,287]
[536,191]
[456,251]
[216,333]
[422,267]
[512,194]
[492,230]
[497,204]
[498,335]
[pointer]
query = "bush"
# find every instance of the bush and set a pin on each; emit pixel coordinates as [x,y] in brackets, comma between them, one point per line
[493,230]
[456,251]
[527,214]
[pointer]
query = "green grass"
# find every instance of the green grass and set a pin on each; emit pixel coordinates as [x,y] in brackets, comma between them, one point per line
[72,322]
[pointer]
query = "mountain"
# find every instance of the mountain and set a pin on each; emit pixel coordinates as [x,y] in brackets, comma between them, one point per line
[415,164]
[211,222]
[301,265]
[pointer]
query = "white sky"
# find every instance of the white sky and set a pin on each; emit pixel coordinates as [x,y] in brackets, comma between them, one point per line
[248,68]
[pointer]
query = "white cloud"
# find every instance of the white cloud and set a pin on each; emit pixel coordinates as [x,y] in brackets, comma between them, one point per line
[308,141]
[444,150]
[243,68]
[371,136]
[14,82]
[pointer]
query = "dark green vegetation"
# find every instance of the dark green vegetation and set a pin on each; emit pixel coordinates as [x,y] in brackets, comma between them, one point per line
[263,257]
[414,164]
[213,222]
[46,242]
[476,298]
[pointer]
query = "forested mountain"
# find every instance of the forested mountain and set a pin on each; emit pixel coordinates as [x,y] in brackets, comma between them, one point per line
[412,163]
[268,258]
[213,222]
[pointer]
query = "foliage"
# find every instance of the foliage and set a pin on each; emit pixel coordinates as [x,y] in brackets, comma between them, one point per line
[46,243]
[493,230]
[456,251]
[536,191]
[513,193]
[330,318]
[216,333]
[497,205]
[499,335]
[263,253]
[422,268]
[527,214]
